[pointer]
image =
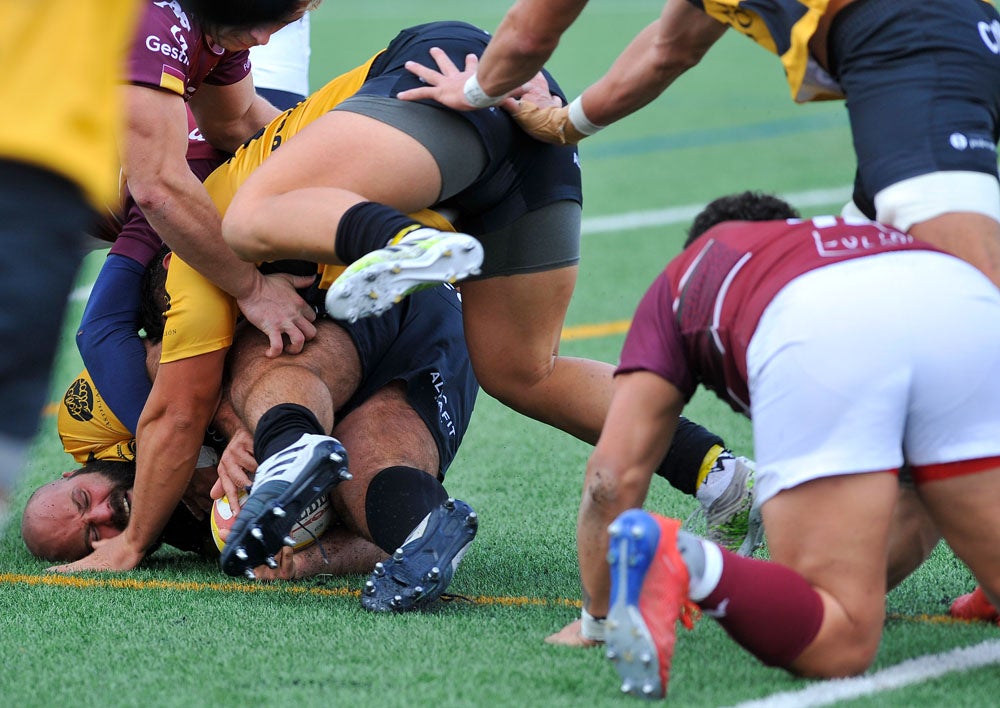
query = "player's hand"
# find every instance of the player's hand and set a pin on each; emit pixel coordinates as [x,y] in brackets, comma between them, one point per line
[569,636]
[113,554]
[447,85]
[235,467]
[286,569]
[276,309]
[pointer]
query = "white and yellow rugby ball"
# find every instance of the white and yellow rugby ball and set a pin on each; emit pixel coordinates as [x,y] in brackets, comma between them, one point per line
[313,521]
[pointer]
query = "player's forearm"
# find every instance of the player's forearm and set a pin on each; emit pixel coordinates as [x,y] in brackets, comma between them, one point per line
[523,42]
[183,214]
[168,441]
[165,461]
[657,56]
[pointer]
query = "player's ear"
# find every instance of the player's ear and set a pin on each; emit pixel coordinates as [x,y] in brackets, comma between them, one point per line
[68,473]
[166,259]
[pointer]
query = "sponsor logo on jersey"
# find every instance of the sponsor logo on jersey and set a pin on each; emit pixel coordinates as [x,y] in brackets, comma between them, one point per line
[961,142]
[437,380]
[177,10]
[79,400]
[990,33]
[177,50]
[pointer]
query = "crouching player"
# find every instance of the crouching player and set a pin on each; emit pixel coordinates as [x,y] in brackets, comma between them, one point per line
[792,321]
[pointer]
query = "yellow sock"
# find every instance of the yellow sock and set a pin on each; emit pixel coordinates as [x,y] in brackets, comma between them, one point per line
[708,463]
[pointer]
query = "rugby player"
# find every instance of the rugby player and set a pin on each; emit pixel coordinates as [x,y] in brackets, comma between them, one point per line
[839,404]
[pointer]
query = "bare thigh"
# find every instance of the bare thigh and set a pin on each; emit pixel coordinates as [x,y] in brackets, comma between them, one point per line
[834,532]
[965,510]
[513,325]
[322,377]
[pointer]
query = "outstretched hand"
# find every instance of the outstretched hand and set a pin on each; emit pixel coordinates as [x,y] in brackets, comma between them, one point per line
[113,554]
[276,309]
[447,85]
[569,636]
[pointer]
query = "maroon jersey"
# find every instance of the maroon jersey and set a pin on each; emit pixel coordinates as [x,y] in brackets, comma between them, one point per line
[171,52]
[695,322]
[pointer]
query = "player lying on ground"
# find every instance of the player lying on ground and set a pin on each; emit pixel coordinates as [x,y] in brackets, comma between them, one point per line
[839,403]
[391,416]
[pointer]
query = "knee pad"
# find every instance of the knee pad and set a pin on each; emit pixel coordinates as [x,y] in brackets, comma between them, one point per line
[398,498]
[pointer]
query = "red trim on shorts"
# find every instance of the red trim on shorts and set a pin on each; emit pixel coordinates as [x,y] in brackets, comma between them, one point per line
[947,470]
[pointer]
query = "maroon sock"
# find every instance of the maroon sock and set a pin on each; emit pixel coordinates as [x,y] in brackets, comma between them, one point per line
[769,609]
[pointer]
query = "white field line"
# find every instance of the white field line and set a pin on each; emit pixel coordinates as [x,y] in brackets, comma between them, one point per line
[907,673]
[646,219]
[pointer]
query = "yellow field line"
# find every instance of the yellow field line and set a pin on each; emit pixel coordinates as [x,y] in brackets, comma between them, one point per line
[73,581]
[604,329]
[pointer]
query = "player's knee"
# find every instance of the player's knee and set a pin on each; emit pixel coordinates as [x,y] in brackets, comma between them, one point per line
[849,652]
[513,380]
[240,234]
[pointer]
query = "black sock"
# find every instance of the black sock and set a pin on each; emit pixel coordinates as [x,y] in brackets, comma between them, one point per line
[281,426]
[398,498]
[367,227]
[687,451]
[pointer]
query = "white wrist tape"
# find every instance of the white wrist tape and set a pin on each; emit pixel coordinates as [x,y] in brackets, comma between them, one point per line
[579,119]
[476,97]
[206,458]
[591,627]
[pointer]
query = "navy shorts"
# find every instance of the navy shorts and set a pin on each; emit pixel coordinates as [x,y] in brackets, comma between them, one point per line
[922,81]
[420,342]
[520,174]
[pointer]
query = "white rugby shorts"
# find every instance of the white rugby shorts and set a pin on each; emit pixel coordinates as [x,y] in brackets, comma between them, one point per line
[858,364]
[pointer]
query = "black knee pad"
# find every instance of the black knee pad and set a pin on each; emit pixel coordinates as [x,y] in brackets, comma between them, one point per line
[398,498]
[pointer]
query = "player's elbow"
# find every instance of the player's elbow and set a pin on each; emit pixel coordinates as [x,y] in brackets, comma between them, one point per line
[610,489]
[153,195]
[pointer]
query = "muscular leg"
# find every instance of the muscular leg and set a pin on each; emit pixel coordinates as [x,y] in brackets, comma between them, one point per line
[964,509]
[512,328]
[309,380]
[383,432]
[290,207]
[834,533]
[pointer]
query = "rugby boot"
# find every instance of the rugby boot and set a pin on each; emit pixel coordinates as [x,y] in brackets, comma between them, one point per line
[285,484]
[649,593]
[732,520]
[421,569]
[421,259]
[974,606]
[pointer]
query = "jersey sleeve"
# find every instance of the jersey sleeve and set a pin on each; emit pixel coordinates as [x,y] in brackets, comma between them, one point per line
[161,52]
[233,67]
[654,340]
[87,427]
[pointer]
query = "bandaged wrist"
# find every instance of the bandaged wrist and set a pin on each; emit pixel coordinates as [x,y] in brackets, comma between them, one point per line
[476,97]
[591,627]
[579,119]
[207,457]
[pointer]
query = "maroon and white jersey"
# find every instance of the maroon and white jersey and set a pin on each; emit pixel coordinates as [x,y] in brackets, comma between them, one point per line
[171,52]
[695,322]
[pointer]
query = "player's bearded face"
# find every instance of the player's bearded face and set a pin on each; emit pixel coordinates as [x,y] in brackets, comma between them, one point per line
[121,482]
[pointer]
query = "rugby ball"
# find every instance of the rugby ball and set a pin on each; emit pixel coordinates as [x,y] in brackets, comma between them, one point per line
[313,521]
